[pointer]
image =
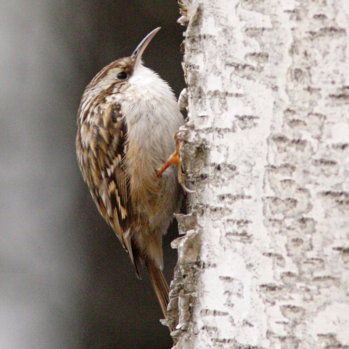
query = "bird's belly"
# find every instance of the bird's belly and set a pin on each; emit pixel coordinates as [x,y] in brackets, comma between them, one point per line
[151,126]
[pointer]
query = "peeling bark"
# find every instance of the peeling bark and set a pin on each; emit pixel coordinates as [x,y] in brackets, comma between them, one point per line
[264,257]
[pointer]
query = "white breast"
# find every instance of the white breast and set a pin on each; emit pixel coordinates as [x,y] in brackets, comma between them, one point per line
[152,113]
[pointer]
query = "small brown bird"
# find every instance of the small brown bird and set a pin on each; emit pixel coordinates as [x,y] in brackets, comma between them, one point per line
[126,122]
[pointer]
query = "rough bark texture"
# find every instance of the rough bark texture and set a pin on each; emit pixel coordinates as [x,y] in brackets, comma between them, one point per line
[265,259]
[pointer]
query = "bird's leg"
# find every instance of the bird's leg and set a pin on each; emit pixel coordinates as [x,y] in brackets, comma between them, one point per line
[174,159]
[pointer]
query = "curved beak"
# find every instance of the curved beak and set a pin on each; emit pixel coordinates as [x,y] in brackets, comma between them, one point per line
[138,52]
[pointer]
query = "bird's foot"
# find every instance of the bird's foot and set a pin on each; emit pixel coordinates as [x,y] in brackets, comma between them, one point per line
[174,159]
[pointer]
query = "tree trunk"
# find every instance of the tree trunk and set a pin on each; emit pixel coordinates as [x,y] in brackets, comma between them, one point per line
[265,259]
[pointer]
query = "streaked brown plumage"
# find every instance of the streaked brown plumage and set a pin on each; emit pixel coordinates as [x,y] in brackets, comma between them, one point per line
[126,122]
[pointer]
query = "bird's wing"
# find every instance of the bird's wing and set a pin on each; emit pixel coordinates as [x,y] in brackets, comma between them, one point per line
[101,148]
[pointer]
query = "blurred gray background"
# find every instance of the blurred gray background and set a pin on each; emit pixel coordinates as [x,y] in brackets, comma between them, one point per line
[65,281]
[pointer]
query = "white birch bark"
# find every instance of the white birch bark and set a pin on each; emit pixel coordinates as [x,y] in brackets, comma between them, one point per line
[265,259]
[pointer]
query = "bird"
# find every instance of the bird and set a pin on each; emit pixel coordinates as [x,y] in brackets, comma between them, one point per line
[125,126]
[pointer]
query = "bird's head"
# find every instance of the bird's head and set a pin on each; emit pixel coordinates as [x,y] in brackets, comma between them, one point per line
[118,73]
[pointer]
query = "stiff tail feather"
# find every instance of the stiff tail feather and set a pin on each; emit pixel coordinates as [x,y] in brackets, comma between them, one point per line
[159,284]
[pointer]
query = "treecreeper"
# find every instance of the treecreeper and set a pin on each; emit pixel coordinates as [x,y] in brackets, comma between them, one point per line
[126,122]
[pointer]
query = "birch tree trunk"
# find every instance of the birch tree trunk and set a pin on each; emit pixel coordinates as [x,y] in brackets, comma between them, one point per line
[265,259]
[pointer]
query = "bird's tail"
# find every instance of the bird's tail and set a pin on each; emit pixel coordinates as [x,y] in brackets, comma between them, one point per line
[160,285]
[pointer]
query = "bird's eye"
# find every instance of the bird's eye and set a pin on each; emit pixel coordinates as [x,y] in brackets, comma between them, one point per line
[122,76]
